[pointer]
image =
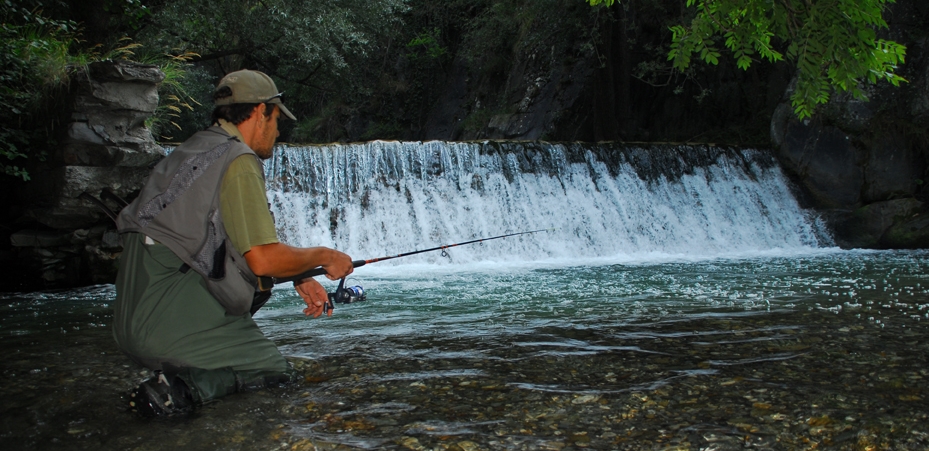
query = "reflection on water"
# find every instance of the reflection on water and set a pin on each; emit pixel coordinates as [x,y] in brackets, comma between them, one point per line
[500,305]
[778,352]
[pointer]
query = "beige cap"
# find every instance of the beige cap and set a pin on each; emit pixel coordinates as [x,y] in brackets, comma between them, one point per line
[251,86]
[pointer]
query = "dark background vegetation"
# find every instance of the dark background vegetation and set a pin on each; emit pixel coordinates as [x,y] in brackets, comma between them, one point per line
[384,69]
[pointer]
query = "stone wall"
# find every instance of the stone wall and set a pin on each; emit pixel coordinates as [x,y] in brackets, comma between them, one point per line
[62,238]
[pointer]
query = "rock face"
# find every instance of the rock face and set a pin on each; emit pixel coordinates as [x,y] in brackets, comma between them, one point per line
[864,163]
[67,239]
[826,159]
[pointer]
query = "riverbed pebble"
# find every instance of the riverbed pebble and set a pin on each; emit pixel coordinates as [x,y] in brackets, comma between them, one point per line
[774,381]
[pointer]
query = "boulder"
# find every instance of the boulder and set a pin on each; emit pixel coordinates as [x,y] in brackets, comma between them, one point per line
[106,145]
[111,102]
[84,153]
[910,233]
[39,238]
[824,158]
[126,71]
[865,227]
[56,202]
[68,240]
[893,169]
[865,163]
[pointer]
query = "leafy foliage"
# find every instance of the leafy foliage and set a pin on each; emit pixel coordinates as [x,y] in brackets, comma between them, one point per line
[833,43]
[426,45]
[355,65]
[308,46]
[34,62]
[40,54]
[383,65]
[174,99]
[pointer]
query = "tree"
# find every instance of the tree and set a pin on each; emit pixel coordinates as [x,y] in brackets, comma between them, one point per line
[833,43]
[307,46]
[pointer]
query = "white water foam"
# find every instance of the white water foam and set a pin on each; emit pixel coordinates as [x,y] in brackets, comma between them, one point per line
[384,198]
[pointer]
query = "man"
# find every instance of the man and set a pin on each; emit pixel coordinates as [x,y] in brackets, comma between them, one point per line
[195,242]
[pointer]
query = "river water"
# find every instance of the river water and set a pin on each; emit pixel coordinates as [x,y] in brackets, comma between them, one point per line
[679,298]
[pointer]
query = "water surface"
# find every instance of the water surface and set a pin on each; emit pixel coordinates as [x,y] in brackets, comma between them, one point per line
[775,352]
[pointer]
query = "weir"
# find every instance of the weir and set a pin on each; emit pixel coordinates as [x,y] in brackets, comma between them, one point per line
[606,200]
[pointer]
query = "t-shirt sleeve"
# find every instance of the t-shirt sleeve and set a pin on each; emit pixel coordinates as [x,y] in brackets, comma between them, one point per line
[244,205]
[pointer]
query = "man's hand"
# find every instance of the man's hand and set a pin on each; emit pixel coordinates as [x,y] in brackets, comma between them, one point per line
[340,265]
[281,260]
[314,295]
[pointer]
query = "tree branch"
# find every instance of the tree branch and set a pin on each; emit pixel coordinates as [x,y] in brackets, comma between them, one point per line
[223,54]
[271,71]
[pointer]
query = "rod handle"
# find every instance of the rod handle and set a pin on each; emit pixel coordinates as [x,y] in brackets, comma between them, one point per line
[318,271]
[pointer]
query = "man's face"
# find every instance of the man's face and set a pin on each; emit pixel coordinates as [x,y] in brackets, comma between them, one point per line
[267,133]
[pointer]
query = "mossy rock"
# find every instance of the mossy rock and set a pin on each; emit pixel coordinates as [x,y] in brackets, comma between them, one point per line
[912,233]
[865,227]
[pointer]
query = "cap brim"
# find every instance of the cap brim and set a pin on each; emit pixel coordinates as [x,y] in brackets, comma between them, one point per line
[285,111]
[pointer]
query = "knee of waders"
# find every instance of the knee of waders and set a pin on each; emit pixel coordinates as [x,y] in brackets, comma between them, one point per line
[206,385]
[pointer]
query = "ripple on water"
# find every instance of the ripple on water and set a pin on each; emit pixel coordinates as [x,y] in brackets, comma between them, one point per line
[676,355]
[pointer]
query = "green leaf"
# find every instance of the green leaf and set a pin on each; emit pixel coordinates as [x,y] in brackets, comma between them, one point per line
[833,43]
[744,62]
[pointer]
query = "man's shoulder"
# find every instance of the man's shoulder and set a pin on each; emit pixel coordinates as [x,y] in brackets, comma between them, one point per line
[245,164]
[210,138]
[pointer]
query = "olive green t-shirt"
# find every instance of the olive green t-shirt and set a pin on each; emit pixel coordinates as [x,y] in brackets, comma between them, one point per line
[243,204]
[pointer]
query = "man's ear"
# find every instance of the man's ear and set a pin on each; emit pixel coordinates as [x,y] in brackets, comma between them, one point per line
[259,110]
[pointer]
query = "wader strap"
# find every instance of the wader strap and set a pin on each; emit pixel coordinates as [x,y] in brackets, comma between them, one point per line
[262,293]
[265,283]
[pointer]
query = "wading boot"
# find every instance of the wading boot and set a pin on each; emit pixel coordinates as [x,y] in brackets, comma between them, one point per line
[160,397]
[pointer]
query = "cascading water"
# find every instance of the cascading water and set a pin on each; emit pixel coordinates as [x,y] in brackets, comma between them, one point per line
[606,201]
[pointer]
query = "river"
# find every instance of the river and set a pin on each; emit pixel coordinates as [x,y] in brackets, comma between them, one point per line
[689,305]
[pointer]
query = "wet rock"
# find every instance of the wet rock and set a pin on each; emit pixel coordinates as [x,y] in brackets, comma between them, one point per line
[913,232]
[854,154]
[105,146]
[39,238]
[411,443]
[826,159]
[866,226]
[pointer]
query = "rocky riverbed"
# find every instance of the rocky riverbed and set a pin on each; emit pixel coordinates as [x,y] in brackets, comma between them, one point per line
[781,380]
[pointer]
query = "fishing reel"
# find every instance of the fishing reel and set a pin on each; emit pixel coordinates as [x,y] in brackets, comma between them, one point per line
[344,295]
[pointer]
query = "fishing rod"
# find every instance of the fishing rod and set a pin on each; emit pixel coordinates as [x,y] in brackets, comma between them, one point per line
[359,263]
[348,295]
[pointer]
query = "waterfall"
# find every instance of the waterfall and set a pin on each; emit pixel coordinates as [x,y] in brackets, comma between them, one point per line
[611,201]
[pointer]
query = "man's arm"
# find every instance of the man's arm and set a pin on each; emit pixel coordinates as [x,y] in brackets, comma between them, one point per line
[251,228]
[281,260]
